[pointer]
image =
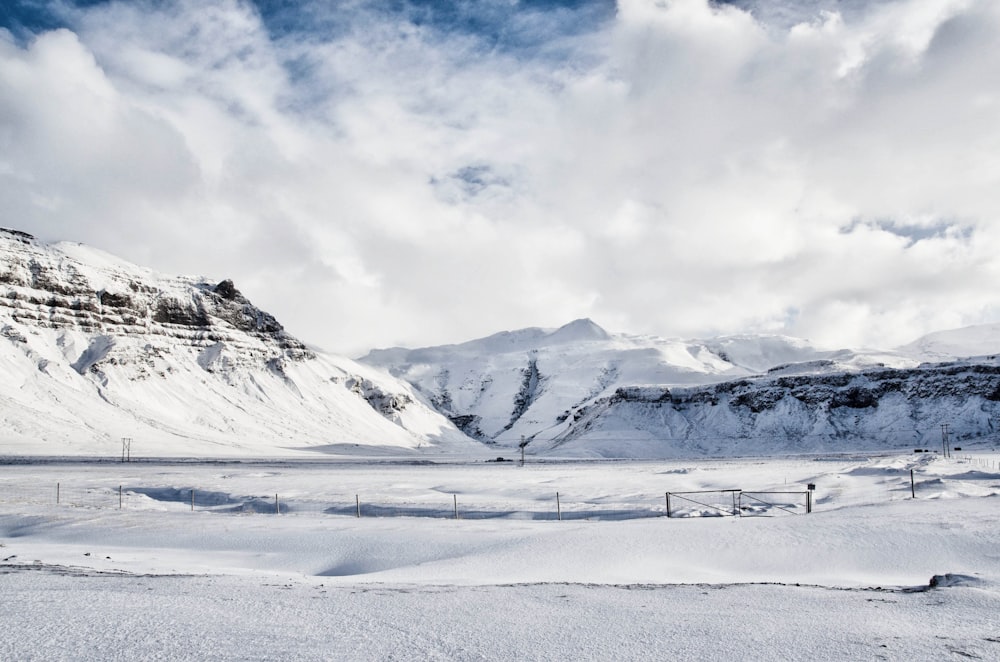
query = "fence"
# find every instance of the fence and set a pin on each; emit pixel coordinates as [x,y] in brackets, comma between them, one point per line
[846,486]
[737,503]
[434,505]
[557,506]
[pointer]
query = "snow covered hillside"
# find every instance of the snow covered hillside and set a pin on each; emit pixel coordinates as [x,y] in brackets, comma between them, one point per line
[581,391]
[967,342]
[872,409]
[523,382]
[93,349]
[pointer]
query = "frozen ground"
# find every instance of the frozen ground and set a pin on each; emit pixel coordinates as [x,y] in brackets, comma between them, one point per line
[614,580]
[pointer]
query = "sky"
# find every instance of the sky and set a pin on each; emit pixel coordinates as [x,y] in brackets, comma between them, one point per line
[409,172]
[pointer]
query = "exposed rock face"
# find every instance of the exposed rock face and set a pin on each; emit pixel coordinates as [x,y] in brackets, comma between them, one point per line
[469,424]
[387,404]
[890,408]
[579,390]
[527,393]
[97,339]
[519,383]
[50,289]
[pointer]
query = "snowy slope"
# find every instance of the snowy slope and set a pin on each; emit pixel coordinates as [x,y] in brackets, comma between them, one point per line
[979,340]
[93,349]
[583,392]
[533,381]
[875,409]
[519,382]
[160,580]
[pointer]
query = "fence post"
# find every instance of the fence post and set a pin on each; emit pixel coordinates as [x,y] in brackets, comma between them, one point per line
[192,499]
[119,497]
[454,498]
[558,507]
[277,508]
[57,494]
[668,504]
[357,501]
[809,501]
[913,488]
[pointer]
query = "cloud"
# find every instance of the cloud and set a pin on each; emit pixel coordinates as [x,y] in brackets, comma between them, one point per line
[416,173]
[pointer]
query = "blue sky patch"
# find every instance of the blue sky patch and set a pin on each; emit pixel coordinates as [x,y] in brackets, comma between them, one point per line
[528,25]
[913,232]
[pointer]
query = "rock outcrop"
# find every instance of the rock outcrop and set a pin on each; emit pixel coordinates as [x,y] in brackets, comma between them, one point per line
[581,391]
[96,348]
[865,410]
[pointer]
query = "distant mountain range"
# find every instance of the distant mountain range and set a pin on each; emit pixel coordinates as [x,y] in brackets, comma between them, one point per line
[581,391]
[94,349]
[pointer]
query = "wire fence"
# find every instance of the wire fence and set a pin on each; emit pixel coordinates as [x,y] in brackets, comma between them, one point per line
[738,503]
[432,505]
[858,486]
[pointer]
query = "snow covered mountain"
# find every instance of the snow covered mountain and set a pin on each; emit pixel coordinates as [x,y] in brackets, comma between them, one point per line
[581,391]
[964,343]
[94,349]
[873,409]
[523,382]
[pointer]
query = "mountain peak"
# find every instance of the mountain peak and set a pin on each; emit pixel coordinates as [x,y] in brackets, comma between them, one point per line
[580,329]
[978,340]
[93,347]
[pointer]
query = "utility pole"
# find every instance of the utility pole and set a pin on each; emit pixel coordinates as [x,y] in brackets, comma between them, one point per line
[126,449]
[944,439]
[521,446]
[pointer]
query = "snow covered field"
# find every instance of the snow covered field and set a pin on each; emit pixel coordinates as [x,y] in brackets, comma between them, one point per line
[230,579]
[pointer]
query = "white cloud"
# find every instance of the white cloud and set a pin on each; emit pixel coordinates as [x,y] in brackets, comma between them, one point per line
[685,169]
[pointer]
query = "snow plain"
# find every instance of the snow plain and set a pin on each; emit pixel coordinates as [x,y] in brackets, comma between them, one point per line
[228,578]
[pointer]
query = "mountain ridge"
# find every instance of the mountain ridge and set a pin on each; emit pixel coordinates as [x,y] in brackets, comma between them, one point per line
[94,348]
[617,394]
